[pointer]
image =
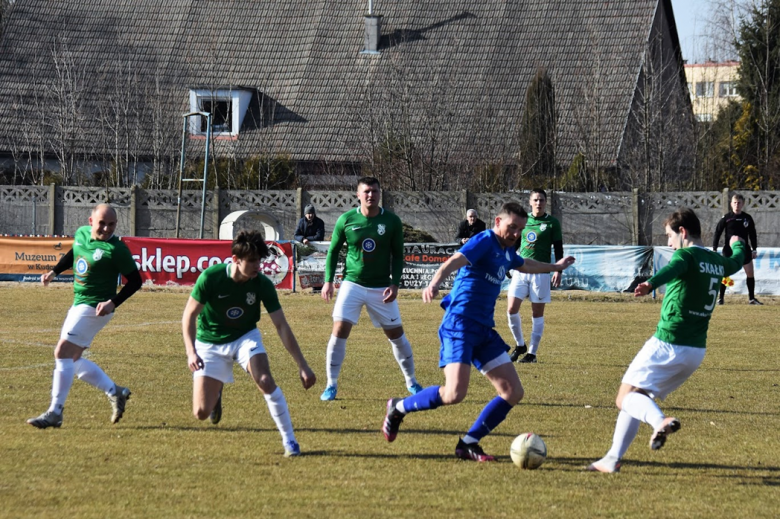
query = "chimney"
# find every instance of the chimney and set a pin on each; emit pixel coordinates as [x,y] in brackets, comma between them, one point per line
[373,31]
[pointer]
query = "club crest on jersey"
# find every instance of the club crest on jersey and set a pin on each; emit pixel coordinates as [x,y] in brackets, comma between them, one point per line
[250,298]
[530,237]
[235,312]
[97,255]
[81,266]
[369,245]
[745,223]
[501,272]
[380,229]
[543,227]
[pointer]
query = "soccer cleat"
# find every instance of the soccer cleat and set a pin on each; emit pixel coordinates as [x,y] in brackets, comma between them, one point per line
[216,413]
[604,465]
[118,401]
[292,449]
[329,393]
[720,302]
[529,358]
[47,419]
[393,420]
[472,452]
[755,301]
[519,350]
[668,426]
[415,388]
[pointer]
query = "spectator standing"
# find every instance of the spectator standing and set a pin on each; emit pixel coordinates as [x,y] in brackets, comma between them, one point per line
[469,227]
[310,227]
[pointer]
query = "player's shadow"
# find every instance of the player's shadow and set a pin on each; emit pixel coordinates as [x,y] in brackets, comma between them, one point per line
[579,464]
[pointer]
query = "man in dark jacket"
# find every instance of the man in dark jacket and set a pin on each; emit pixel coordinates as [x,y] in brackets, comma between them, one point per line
[469,227]
[738,223]
[310,228]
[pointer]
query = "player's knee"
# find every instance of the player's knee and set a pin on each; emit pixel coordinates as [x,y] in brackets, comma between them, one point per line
[515,395]
[266,384]
[452,396]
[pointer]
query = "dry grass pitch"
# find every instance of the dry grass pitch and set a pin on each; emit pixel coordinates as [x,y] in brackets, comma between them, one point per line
[159,461]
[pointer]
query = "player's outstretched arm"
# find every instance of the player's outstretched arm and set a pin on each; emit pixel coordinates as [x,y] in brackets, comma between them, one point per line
[188,323]
[642,289]
[537,267]
[308,378]
[457,261]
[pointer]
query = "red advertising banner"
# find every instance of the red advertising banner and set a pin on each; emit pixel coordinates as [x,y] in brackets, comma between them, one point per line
[166,261]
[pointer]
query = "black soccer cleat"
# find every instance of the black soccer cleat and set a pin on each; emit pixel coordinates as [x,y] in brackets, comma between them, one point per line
[216,413]
[393,420]
[472,452]
[520,349]
[529,358]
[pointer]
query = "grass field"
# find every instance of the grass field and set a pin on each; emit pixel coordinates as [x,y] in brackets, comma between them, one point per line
[159,461]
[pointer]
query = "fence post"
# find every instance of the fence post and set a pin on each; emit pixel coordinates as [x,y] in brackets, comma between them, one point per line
[52,207]
[299,203]
[636,216]
[133,203]
[216,204]
[724,201]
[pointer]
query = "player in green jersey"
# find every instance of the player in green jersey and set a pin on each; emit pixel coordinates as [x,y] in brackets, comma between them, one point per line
[374,264]
[97,258]
[667,359]
[541,234]
[224,307]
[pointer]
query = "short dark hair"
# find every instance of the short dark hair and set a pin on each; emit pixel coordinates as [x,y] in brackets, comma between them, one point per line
[512,208]
[739,197]
[684,217]
[249,245]
[539,191]
[369,181]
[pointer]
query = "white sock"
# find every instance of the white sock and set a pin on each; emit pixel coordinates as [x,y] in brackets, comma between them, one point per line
[515,326]
[91,373]
[62,380]
[643,408]
[402,351]
[626,428]
[277,405]
[334,358]
[536,334]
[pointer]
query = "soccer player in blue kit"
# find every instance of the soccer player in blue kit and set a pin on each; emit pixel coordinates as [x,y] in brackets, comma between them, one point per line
[466,332]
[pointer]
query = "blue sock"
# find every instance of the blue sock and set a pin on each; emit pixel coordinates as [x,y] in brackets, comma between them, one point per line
[490,417]
[428,398]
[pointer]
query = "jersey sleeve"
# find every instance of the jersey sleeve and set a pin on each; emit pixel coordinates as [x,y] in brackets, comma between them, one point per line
[557,234]
[397,250]
[124,259]
[718,231]
[476,247]
[200,292]
[752,234]
[517,261]
[676,267]
[269,297]
[336,242]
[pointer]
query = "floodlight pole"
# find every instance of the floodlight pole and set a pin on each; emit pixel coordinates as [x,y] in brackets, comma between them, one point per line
[186,118]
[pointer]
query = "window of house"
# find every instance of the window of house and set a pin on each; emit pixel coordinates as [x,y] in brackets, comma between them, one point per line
[704,118]
[727,89]
[226,106]
[705,89]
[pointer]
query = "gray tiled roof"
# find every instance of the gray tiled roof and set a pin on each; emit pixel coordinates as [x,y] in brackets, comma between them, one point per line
[475,59]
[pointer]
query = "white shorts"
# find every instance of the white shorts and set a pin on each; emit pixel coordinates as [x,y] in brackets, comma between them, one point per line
[660,367]
[81,325]
[535,287]
[351,299]
[218,359]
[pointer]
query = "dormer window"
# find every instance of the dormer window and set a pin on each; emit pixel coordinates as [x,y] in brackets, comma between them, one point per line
[226,106]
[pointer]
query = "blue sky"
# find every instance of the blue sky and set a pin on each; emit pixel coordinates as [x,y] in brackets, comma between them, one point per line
[691,19]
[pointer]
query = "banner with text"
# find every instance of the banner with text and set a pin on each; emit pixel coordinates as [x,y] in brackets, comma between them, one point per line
[26,258]
[766,269]
[602,268]
[166,261]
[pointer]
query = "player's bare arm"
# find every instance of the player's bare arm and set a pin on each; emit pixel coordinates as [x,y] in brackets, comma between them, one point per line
[457,261]
[537,267]
[189,321]
[308,378]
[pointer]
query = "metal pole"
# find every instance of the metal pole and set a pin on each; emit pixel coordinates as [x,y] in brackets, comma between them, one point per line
[181,173]
[205,175]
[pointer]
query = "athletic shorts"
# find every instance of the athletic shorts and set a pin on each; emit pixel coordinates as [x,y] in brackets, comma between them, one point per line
[467,341]
[81,325]
[660,367]
[535,287]
[218,359]
[351,299]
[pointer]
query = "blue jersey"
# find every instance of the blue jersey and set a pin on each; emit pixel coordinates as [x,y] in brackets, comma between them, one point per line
[478,284]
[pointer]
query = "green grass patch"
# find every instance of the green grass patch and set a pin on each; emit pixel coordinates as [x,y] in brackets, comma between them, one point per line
[159,461]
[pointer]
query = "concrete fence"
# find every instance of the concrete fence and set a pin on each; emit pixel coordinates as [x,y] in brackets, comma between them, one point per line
[622,218]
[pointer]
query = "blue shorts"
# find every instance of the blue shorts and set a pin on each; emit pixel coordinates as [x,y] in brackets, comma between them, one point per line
[466,341]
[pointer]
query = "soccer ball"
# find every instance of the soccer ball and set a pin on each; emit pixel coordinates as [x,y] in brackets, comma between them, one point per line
[528,451]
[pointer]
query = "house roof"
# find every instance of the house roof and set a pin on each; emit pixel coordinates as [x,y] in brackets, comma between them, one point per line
[457,66]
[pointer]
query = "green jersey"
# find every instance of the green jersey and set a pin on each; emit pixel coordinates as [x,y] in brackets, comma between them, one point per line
[96,267]
[230,309]
[375,249]
[692,280]
[538,237]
